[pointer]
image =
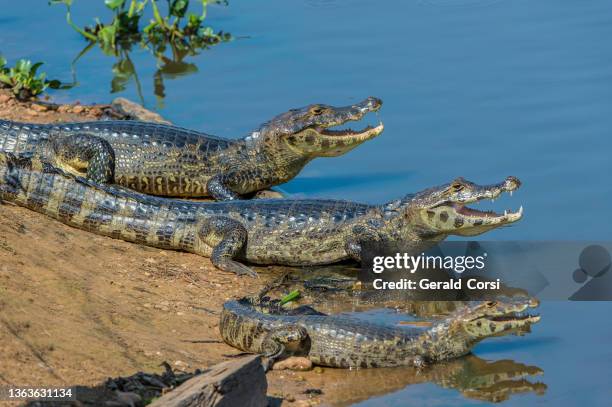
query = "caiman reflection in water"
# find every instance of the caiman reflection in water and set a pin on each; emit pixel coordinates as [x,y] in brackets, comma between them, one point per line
[473,377]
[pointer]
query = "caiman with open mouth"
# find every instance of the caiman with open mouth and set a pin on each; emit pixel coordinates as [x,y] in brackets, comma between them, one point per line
[165,160]
[294,232]
[346,342]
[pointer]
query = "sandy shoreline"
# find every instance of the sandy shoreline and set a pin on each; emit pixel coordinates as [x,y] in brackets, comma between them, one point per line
[76,308]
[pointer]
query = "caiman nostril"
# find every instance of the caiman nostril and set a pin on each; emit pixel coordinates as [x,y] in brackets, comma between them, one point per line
[374,101]
[371,104]
[512,183]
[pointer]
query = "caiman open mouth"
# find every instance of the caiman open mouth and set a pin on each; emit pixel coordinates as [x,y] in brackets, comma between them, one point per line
[475,213]
[347,114]
[516,316]
[366,133]
[515,313]
[492,192]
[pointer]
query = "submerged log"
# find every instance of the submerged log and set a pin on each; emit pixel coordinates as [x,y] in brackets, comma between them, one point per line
[240,382]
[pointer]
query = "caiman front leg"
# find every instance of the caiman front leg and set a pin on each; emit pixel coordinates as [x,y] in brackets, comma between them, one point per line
[233,185]
[277,341]
[219,187]
[228,238]
[84,154]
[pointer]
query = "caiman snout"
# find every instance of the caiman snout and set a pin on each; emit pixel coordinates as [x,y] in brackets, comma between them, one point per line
[512,184]
[371,104]
[444,209]
[310,131]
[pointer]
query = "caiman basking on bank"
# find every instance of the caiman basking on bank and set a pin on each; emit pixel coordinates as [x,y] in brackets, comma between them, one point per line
[346,342]
[165,160]
[262,231]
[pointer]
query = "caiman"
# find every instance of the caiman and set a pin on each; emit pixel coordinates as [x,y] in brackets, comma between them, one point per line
[264,231]
[346,342]
[165,160]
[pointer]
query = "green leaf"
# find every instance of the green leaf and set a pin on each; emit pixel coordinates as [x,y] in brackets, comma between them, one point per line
[23,65]
[122,72]
[114,4]
[34,68]
[141,5]
[106,37]
[178,8]
[293,295]
[4,78]
[55,84]
[2,61]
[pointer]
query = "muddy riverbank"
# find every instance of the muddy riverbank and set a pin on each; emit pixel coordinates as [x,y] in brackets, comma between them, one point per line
[76,308]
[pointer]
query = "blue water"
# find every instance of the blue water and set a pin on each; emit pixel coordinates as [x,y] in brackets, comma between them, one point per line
[475,88]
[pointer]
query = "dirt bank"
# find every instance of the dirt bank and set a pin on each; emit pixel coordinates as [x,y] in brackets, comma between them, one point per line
[76,308]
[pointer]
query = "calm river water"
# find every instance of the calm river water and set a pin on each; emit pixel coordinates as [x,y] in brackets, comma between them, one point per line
[475,88]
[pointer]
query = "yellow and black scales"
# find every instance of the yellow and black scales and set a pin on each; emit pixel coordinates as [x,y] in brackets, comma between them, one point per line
[165,160]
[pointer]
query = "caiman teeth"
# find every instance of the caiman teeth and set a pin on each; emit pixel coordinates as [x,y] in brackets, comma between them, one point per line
[342,132]
[369,131]
[517,316]
[467,211]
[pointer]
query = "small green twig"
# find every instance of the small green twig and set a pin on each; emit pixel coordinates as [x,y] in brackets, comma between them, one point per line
[293,295]
[84,33]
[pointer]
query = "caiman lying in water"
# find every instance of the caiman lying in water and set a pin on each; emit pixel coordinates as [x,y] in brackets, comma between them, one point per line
[341,341]
[159,159]
[263,231]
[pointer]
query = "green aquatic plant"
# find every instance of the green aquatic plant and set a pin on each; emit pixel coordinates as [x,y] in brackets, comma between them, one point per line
[172,33]
[177,28]
[24,80]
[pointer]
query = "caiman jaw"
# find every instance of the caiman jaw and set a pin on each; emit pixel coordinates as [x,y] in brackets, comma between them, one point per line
[335,142]
[444,209]
[352,135]
[493,318]
[309,131]
[510,185]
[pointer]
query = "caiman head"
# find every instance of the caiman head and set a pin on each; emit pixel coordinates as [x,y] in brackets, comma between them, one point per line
[456,335]
[307,133]
[440,211]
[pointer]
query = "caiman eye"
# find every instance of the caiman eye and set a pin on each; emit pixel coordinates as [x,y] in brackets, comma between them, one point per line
[316,110]
[491,303]
[457,186]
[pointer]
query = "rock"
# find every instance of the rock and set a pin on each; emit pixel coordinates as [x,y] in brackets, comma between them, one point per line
[4,98]
[238,382]
[181,365]
[293,363]
[316,392]
[128,398]
[95,111]
[38,107]
[268,194]
[140,113]
[78,109]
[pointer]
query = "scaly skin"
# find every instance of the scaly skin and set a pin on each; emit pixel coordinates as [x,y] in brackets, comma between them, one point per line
[341,341]
[272,231]
[164,160]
